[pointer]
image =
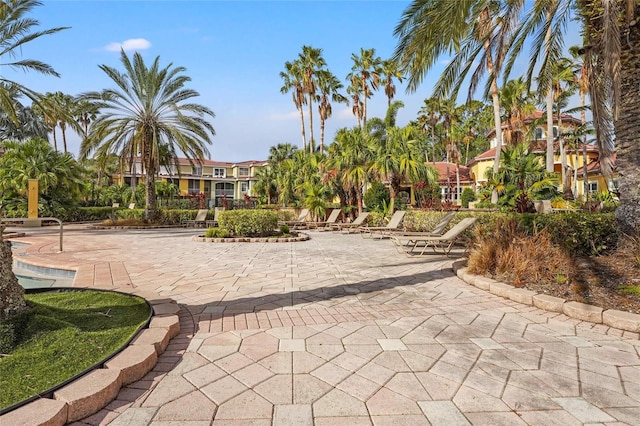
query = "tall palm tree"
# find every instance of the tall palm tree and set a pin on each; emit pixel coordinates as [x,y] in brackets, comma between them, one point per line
[580,72]
[311,62]
[329,87]
[16,30]
[66,110]
[293,82]
[148,111]
[49,108]
[85,113]
[389,69]
[366,68]
[355,91]
[431,28]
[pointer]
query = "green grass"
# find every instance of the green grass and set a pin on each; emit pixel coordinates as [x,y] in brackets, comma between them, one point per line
[64,334]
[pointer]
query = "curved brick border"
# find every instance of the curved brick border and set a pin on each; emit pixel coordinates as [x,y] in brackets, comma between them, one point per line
[301,237]
[94,391]
[622,320]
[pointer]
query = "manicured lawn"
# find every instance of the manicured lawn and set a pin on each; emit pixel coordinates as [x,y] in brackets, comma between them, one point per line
[64,334]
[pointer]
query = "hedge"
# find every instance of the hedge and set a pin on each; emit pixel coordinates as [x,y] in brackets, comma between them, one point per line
[248,223]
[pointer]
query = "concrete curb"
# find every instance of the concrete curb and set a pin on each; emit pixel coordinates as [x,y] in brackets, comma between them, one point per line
[626,321]
[94,391]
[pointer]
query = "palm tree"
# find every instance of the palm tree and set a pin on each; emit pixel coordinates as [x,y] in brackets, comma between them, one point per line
[398,159]
[311,61]
[351,161]
[147,111]
[48,107]
[293,82]
[30,124]
[355,91]
[390,70]
[581,76]
[16,30]
[517,103]
[429,29]
[66,115]
[85,113]
[328,86]
[366,68]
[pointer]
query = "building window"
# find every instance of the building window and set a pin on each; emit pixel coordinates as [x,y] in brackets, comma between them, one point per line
[450,194]
[196,170]
[220,173]
[243,171]
[592,187]
[225,188]
[244,187]
[194,186]
[539,133]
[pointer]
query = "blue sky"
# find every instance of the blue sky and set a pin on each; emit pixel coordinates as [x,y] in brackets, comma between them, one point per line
[232,50]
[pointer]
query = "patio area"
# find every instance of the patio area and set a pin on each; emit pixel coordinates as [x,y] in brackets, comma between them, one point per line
[341,330]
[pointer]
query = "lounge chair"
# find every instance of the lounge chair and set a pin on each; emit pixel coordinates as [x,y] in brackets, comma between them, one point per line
[436,231]
[214,222]
[200,220]
[132,206]
[300,222]
[326,225]
[348,227]
[115,205]
[443,242]
[383,231]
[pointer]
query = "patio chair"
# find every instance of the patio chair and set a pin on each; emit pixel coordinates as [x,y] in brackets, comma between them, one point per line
[115,205]
[437,230]
[300,222]
[348,227]
[383,231]
[442,242]
[327,224]
[132,206]
[213,222]
[200,220]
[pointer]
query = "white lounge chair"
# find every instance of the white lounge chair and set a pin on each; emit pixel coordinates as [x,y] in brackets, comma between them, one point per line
[200,220]
[327,224]
[383,231]
[438,242]
[348,227]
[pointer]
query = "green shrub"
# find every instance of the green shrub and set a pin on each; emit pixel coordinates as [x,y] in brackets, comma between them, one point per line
[284,229]
[376,196]
[248,223]
[467,196]
[216,233]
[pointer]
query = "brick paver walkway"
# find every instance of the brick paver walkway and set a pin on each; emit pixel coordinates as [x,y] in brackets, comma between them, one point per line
[341,330]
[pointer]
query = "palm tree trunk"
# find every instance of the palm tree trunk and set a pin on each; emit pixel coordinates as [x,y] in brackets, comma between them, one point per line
[55,140]
[627,128]
[364,103]
[63,129]
[11,293]
[304,136]
[497,123]
[549,159]
[321,135]
[311,141]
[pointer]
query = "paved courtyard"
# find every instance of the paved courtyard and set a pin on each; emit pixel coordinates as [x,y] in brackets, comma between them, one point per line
[341,330]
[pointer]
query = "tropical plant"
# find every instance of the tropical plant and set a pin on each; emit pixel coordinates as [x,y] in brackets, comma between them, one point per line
[16,30]
[29,123]
[389,69]
[328,86]
[366,70]
[311,62]
[429,29]
[293,82]
[60,178]
[148,111]
[398,160]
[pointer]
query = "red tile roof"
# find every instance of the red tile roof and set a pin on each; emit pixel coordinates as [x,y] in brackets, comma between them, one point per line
[441,167]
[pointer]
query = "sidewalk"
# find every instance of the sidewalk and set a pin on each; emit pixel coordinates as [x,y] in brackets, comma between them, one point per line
[340,330]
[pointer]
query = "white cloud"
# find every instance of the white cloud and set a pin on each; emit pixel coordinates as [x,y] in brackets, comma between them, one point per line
[346,112]
[127,45]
